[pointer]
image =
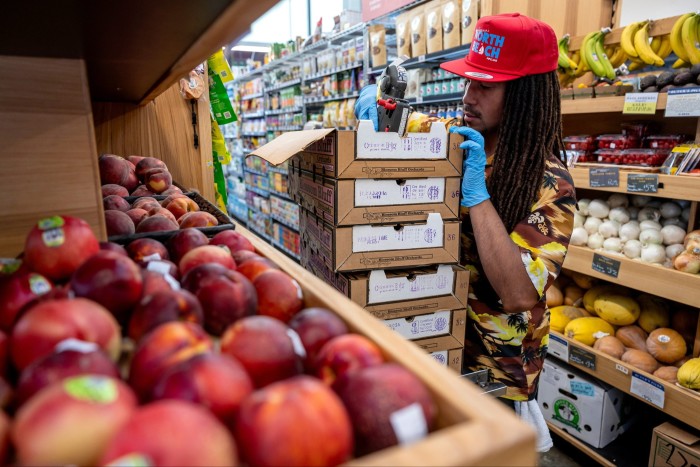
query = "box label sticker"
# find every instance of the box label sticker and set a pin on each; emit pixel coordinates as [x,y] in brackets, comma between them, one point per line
[582,357]
[440,357]
[648,389]
[417,327]
[409,423]
[565,412]
[389,192]
[604,177]
[366,238]
[388,145]
[558,347]
[582,388]
[621,368]
[642,183]
[388,289]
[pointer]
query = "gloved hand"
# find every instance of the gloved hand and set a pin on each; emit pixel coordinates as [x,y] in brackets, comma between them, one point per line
[366,105]
[474,179]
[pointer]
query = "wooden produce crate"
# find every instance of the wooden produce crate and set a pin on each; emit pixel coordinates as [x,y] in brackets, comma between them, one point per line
[471,429]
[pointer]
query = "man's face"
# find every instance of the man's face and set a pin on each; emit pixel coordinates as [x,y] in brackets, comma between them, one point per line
[483,105]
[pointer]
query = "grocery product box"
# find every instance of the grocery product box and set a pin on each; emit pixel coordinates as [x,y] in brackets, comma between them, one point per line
[364,153]
[672,446]
[439,323]
[584,407]
[453,340]
[450,358]
[375,201]
[364,247]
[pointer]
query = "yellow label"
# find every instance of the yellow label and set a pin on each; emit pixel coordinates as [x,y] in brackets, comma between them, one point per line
[50,223]
[218,64]
[97,389]
[640,103]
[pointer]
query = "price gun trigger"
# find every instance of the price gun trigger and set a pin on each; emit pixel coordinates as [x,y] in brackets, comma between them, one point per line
[392,109]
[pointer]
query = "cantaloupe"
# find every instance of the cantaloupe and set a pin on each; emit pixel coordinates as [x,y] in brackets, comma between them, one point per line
[587,329]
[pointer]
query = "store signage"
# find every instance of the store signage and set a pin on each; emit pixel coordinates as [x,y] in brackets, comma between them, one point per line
[604,177]
[640,103]
[648,389]
[643,183]
[375,8]
[558,347]
[582,357]
[684,102]
[604,265]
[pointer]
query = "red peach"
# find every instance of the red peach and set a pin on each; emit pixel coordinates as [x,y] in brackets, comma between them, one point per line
[172,197]
[118,223]
[132,181]
[197,219]
[235,241]
[136,215]
[184,241]
[5,426]
[181,206]
[6,395]
[279,295]
[142,190]
[162,266]
[160,211]
[264,348]
[148,163]
[171,190]
[253,267]
[156,223]
[315,327]
[154,282]
[134,159]
[4,354]
[146,249]
[115,202]
[19,291]
[241,256]
[206,254]
[157,180]
[113,169]
[139,203]
[115,247]
[114,189]
[343,355]
[162,307]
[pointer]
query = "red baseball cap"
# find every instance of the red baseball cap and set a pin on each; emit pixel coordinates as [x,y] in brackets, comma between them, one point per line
[507,47]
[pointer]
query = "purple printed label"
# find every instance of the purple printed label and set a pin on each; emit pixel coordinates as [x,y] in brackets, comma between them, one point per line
[433,192]
[441,282]
[440,358]
[440,324]
[435,145]
[429,235]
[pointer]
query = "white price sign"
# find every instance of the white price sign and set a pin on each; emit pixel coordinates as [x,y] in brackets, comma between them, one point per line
[684,102]
[558,347]
[648,389]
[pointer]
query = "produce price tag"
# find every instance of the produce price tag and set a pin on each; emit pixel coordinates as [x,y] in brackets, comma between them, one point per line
[684,102]
[640,103]
[648,389]
[582,357]
[643,183]
[409,423]
[604,177]
[621,368]
[558,347]
[604,265]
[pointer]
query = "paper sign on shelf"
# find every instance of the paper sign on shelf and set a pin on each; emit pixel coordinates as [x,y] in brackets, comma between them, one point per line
[648,389]
[683,102]
[367,238]
[640,103]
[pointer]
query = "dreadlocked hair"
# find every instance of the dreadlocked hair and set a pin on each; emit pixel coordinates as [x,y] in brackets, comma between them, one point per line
[530,132]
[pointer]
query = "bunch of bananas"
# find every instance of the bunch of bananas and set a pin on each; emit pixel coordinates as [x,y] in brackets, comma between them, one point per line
[642,51]
[685,40]
[568,67]
[593,54]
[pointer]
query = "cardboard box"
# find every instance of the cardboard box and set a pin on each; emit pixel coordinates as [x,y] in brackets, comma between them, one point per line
[673,446]
[375,201]
[454,340]
[368,154]
[450,358]
[584,407]
[365,247]
[443,323]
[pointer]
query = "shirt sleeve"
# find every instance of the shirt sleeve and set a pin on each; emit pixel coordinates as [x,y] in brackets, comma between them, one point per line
[543,237]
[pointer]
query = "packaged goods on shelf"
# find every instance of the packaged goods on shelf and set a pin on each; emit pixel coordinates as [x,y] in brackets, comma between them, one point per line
[286,239]
[469,15]
[664,141]
[451,24]
[377,45]
[580,142]
[572,400]
[616,141]
[403,34]
[417,25]
[285,211]
[639,157]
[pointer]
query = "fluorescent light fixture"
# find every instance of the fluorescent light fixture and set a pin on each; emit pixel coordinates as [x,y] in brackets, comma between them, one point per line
[250,48]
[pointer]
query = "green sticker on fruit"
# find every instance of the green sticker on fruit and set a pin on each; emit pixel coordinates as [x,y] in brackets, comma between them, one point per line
[131,460]
[53,237]
[52,222]
[38,284]
[97,389]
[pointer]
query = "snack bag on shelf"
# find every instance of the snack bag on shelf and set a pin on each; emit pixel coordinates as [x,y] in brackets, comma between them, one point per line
[418,43]
[433,26]
[451,27]
[350,113]
[403,34]
[470,13]
[342,120]
[377,40]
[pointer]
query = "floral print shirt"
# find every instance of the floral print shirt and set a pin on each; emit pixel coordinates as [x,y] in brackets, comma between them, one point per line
[514,345]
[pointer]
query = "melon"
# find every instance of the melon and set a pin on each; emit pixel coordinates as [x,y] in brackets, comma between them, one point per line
[587,329]
[617,309]
[689,374]
[560,316]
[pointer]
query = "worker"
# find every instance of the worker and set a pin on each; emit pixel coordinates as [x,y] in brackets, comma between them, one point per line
[517,202]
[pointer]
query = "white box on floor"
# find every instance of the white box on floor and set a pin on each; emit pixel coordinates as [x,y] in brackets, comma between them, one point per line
[584,407]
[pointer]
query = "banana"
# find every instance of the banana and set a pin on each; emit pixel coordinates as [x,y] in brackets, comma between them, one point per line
[627,38]
[691,42]
[676,37]
[636,64]
[595,61]
[680,64]
[665,47]
[655,44]
[581,69]
[641,44]
[564,60]
[603,57]
[618,57]
[584,59]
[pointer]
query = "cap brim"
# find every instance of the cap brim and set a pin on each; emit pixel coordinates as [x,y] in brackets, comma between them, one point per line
[461,68]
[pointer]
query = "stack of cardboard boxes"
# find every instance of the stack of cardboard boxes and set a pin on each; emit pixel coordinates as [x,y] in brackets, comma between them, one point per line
[379,222]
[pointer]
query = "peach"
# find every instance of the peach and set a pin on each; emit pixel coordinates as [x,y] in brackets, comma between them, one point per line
[118,223]
[172,197]
[163,266]
[172,432]
[146,249]
[112,280]
[226,296]
[197,219]
[115,202]
[147,163]
[241,256]
[160,211]
[156,223]
[157,180]
[184,241]
[216,381]
[71,421]
[115,247]
[82,358]
[171,190]
[56,246]
[181,206]
[139,203]
[373,394]
[206,254]
[235,241]
[142,190]
[20,290]
[47,323]
[315,327]
[113,169]
[343,355]
[154,282]
[255,266]
[5,427]
[134,159]
[161,349]
[4,354]
[294,422]
[162,307]
[132,181]
[136,215]
[264,348]
[114,189]
[279,295]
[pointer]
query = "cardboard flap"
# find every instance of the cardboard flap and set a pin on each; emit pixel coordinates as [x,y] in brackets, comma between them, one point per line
[287,144]
[678,434]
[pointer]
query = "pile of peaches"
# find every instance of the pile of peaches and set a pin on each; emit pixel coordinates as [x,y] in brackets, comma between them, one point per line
[198,351]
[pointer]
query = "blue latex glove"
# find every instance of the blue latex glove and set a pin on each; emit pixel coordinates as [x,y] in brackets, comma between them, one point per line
[474,179]
[366,105]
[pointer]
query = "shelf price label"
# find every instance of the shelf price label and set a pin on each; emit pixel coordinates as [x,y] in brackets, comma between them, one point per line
[582,357]
[558,347]
[683,102]
[640,103]
[642,183]
[648,389]
[604,265]
[604,177]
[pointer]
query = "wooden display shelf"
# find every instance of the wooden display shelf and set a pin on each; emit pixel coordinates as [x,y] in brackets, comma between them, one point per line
[603,105]
[580,445]
[654,279]
[670,186]
[678,402]
[472,428]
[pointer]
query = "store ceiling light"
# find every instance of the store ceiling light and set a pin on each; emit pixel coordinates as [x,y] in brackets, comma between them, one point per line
[250,48]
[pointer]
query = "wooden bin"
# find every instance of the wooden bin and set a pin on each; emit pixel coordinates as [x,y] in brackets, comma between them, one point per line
[472,428]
